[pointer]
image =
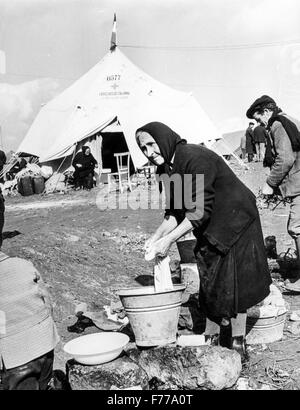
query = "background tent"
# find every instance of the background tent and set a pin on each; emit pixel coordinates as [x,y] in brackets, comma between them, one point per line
[111,101]
[229,143]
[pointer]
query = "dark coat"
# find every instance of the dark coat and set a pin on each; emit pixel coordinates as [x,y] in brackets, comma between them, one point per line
[88,163]
[250,149]
[259,134]
[285,170]
[236,275]
[230,249]
[2,159]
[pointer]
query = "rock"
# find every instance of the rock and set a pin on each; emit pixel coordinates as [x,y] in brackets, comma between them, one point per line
[245,383]
[72,238]
[29,250]
[248,383]
[296,378]
[265,386]
[80,308]
[121,373]
[294,328]
[295,316]
[202,367]
[191,340]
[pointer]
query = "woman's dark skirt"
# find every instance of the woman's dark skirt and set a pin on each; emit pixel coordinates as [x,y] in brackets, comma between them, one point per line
[233,282]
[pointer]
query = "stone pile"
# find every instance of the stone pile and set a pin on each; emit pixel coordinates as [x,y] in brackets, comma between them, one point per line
[161,368]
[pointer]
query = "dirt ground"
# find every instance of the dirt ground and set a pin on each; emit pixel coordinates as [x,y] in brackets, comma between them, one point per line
[85,254]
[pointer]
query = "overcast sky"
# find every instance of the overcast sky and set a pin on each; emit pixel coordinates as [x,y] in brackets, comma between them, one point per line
[227,52]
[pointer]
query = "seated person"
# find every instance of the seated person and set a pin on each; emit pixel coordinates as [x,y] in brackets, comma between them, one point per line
[28,333]
[84,164]
[21,164]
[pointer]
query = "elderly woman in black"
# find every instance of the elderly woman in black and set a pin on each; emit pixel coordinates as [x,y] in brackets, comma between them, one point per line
[222,213]
[84,164]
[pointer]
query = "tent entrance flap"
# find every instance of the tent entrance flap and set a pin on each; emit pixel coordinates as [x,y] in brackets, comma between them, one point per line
[112,143]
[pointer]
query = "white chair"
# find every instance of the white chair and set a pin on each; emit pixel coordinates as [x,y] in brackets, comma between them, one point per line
[123,173]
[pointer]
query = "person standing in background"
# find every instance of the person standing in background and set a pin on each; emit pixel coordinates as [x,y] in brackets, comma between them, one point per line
[283,158]
[250,147]
[259,137]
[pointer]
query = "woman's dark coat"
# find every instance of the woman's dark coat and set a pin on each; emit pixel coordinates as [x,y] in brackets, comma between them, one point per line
[230,249]
[88,163]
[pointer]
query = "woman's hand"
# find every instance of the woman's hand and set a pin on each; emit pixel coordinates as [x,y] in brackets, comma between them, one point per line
[162,246]
[159,248]
[149,242]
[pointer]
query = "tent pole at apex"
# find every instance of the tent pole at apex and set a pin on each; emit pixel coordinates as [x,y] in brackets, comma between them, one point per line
[113,41]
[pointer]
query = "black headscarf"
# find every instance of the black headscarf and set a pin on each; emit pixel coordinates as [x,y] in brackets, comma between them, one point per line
[166,139]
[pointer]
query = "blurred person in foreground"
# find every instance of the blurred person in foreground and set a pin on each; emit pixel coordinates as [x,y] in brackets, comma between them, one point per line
[2,163]
[28,333]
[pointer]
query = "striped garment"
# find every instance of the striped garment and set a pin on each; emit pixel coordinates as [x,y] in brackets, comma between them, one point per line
[27,329]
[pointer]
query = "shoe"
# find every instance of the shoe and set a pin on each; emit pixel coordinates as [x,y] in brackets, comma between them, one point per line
[239,345]
[293,286]
[212,340]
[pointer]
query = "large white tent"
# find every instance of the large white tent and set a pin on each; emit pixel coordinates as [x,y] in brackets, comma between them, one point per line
[113,91]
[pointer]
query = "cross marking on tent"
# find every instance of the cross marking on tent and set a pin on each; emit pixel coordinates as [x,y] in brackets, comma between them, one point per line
[114,86]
